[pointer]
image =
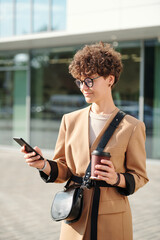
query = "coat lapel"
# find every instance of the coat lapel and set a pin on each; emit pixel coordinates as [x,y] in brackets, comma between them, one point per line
[83,152]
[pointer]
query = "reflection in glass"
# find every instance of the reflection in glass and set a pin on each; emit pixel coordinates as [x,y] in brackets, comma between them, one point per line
[58,14]
[53,93]
[6,107]
[126,91]
[40,15]
[12,105]
[19,107]
[152,98]
[21,59]
[6,18]
[9,59]
[22,17]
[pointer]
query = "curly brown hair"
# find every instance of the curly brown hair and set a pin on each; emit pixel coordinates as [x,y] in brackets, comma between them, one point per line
[99,58]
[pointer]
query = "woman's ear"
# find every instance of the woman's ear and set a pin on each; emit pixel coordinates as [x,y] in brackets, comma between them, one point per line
[111,79]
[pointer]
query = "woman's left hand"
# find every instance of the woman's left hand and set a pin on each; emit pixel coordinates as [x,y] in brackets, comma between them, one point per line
[106,172]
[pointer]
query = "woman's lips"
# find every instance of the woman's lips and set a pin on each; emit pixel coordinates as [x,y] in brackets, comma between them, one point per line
[87,94]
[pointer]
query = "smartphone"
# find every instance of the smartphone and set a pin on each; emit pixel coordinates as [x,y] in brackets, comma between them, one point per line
[28,148]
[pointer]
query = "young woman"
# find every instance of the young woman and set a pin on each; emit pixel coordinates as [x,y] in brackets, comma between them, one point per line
[96,69]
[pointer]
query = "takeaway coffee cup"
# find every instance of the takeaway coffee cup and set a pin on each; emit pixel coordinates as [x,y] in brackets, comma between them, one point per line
[96,159]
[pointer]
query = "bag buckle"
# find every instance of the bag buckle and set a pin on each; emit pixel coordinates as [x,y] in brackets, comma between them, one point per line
[87,182]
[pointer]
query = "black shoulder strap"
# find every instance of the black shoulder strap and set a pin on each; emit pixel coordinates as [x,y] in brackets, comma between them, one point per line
[96,196]
[110,130]
[106,137]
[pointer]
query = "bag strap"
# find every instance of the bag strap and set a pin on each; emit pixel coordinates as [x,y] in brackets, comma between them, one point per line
[110,130]
[104,140]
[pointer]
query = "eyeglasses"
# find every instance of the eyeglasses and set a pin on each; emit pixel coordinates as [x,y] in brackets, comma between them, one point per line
[88,82]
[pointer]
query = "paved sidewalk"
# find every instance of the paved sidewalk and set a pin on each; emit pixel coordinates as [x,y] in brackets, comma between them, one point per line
[25,202]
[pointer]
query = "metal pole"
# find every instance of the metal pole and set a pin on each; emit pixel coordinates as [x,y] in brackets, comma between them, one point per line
[31,16]
[141,85]
[50,16]
[28,101]
[14,18]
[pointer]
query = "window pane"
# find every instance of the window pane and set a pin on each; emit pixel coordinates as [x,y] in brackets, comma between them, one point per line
[22,17]
[6,18]
[152,98]
[12,105]
[19,99]
[58,15]
[126,91]
[53,93]
[40,15]
[13,82]
[9,59]
[6,107]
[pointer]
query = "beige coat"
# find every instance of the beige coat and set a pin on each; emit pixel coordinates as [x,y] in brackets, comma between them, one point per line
[127,149]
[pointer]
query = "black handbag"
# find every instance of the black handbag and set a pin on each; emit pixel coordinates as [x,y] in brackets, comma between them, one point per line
[68,203]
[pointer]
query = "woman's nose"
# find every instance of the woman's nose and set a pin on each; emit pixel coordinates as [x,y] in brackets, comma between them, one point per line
[83,86]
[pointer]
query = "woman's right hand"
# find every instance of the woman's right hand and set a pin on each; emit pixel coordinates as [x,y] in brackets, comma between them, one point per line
[32,159]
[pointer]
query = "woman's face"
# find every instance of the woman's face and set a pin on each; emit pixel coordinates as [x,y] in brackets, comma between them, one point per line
[100,91]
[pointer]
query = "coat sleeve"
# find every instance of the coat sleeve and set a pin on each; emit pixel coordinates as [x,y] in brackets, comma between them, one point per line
[59,169]
[135,162]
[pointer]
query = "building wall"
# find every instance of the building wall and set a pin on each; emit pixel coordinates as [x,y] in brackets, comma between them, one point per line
[102,15]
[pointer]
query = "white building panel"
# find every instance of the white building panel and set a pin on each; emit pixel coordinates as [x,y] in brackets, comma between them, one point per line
[103,15]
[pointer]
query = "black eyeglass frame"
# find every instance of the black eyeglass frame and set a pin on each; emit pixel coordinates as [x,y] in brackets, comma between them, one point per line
[79,83]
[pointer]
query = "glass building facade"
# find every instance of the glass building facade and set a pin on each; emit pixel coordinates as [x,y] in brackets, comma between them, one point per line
[20,17]
[36,88]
